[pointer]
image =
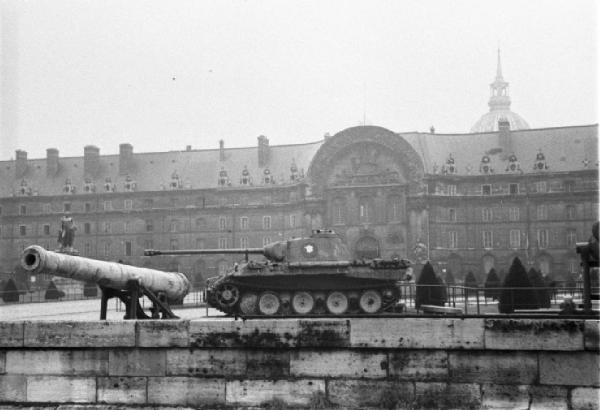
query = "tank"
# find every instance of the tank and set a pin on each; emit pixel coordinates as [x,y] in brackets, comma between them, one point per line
[303,276]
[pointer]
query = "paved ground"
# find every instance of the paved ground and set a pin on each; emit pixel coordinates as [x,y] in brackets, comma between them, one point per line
[80,310]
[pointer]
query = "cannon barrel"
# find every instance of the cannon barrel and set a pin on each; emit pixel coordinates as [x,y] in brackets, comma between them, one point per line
[35,259]
[250,251]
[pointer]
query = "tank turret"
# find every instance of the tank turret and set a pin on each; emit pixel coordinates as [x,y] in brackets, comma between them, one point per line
[302,276]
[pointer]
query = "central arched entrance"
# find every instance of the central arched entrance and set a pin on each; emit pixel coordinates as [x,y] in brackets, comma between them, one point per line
[367,247]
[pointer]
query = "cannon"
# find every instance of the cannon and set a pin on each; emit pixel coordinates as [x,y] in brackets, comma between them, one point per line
[302,276]
[589,254]
[128,283]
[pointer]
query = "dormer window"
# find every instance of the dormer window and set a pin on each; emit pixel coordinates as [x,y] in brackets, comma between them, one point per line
[130,185]
[540,162]
[513,165]
[246,179]
[294,176]
[267,177]
[449,167]
[485,167]
[24,189]
[108,185]
[176,182]
[69,188]
[89,186]
[223,178]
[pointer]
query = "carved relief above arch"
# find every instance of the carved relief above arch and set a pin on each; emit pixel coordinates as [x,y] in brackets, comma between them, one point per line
[365,155]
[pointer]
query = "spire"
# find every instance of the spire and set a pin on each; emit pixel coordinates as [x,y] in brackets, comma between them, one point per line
[499,99]
[499,67]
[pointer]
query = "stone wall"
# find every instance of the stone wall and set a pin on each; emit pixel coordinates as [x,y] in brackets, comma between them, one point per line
[379,363]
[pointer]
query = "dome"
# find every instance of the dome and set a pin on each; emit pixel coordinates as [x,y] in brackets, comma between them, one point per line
[489,121]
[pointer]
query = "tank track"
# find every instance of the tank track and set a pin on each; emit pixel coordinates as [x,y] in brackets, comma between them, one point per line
[241,299]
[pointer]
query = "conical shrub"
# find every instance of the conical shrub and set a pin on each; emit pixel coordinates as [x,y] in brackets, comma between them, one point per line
[492,285]
[450,278]
[540,286]
[11,291]
[52,292]
[429,291]
[470,282]
[517,292]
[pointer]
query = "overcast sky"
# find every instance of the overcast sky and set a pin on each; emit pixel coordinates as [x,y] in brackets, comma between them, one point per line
[165,74]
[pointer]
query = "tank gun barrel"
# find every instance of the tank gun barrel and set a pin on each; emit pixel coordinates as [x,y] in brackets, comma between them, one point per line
[248,251]
[35,259]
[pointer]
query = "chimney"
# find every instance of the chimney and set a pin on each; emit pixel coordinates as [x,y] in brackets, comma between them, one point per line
[91,160]
[125,158]
[221,150]
[20,163]
[51,162]
[263,151]
[504,138]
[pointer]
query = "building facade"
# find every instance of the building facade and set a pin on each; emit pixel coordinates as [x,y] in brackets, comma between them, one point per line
[466,202]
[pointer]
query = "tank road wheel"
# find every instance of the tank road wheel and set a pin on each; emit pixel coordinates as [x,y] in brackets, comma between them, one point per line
[268,304]
[370,301]
[227,295]
[303,303]
[248,303]
[337,303]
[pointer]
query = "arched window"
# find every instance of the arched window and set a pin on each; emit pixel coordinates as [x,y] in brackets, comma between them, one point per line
[395,209]
[365,209]
[488,263]
[338,211]
[367,248]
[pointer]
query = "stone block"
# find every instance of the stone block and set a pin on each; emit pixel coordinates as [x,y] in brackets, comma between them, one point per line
[137,362]
[504,397]
[190,391]
[548,398]
[493,367]
[422,365]
[355,364]
[57,362]
[206,362]
[592,335]
[11,334]
[417,333]
[447,396]
[163,333]
[570,369]
[534,334]
[262,333]
[61,389]
[79,334]
[268,364]
[376,393]
[324,333]
[258,392]
[128,390]
[13,388]
[585,398]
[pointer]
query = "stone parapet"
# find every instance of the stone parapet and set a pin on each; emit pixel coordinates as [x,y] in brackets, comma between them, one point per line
[352,363]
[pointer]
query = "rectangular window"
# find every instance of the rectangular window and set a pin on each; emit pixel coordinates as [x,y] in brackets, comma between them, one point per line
[452,190]
[266,222]
[244,223]
[87,250]
[574,265]
[88,207]
[107,249]
[486,214]
[541,187]
[46,229]
[487,239]
[148,203]
[127,227]
[571,237]
[513,213]
[266,240]
[513,189]
[244,242]
[128,204]
[222,223]
[22,230]
[569,186]
[223,243]
[292,221]
[127,248]
[542,235]
[571,214]
[174,225]
[453,239]
[108,205]
[149,225]
[174,244]
[23,210]
[46,208]
[67,207]
[515,238]
[452,215]
[106,227]
[542,212]
[148,244]
[199,243]
[486,189]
